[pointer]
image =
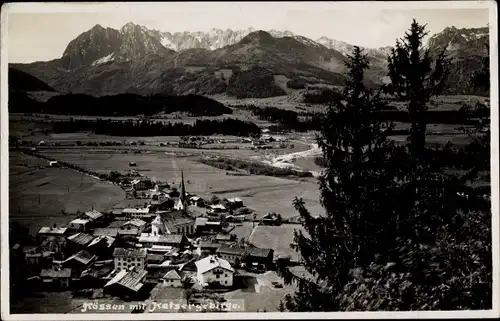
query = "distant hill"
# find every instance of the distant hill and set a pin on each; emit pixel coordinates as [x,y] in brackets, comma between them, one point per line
[22,81]
[139,60]
[118,105]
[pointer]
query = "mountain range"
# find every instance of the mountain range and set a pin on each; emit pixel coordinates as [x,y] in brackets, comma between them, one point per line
[141,60]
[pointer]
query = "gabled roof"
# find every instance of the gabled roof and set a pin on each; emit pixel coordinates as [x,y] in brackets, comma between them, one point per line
[135,222]
[133,280]
[258,252]
[211,262]
[93,215]
[155,258]
[54,273]
[231,250]
[103,238]
[81,239]
[53,230]
[144,210]
[79,221]
[121,252]
[223,237]
[83,257]
[172,275]
[173,219]
[163,238]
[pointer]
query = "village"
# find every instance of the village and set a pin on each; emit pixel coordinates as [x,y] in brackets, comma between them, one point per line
[175,241]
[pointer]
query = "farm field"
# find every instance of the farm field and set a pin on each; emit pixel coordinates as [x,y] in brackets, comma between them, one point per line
[278,238]
[38,194]
[263,194]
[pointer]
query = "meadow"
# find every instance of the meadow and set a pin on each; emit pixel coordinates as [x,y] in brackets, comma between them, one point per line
[39,194]
[263,194]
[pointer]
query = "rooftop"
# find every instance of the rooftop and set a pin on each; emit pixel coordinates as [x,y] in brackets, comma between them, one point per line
[211,262]
[93,215]
[132,280]
[143,210]
[81,238]
[121,252]
[234,200]
[113,232]
[172,275]
[55,273]
[135,222]
[53,230]
[163,238]
[79,221]
[83,257]
[173,219]
[103,238]
[236,250]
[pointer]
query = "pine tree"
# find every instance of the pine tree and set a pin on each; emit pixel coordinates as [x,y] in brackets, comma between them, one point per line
[415,78]
[354,189]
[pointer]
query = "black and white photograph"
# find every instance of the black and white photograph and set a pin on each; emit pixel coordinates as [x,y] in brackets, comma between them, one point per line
[187,160]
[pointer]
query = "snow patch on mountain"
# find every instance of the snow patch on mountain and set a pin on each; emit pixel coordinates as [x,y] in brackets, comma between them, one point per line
[102,60]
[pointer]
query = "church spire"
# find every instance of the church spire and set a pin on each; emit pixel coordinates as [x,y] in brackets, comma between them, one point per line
[183,202]
[183,188]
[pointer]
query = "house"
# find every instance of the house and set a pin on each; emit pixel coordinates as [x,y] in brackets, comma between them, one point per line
[262,256]
[209,247]
[129,258]
[53,164]
[217,209]
[161,205]
[135,223]
[214,269]
[56,278]
[234,254]
[94,277]
[235,202]
[80,261]
[224,238]
[202,224]
[197,201]
[136,212]
[79,225]
[59,232]
[175,240]
[271,219]
[93,216]
[102,245]
[127,284]
[172,279]
[237,255]
[141,184]
[154,259]
[78,241]
[115,232]
[174,222]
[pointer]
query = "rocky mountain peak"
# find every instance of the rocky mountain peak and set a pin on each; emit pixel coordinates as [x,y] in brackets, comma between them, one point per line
[258,37]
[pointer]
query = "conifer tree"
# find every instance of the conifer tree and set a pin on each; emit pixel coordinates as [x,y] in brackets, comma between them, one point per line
[354,188]
[415,77]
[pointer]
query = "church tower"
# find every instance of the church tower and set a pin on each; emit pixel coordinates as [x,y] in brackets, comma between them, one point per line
[182,204]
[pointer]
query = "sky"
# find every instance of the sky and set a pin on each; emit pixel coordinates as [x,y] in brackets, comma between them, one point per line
[41,31]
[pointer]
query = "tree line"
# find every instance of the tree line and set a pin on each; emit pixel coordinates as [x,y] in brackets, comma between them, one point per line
[143,128]
[127,104]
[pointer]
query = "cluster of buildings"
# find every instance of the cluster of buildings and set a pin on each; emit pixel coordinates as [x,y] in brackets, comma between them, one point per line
[127,253]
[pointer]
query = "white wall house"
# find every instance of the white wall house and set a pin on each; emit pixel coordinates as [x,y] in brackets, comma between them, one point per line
[172,279]
[214,269]
[130,258]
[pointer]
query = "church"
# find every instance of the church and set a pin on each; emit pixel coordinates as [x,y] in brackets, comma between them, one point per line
[178,221]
